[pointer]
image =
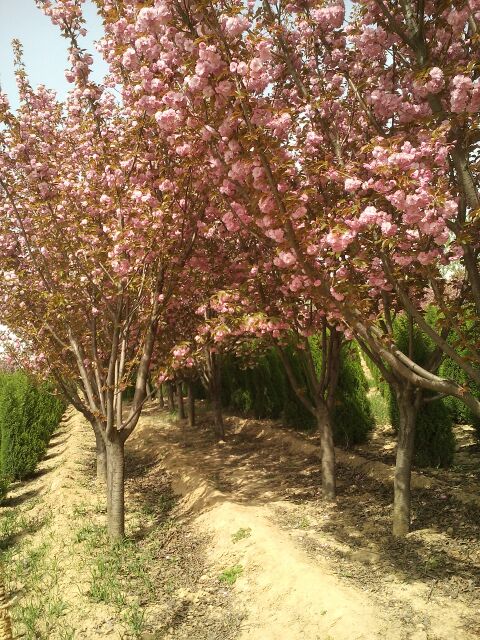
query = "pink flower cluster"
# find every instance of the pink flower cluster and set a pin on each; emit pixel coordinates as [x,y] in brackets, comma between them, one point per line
[331,16]
[465,95]
[235,25]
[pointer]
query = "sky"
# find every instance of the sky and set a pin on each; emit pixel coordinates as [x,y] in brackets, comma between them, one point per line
[45,51]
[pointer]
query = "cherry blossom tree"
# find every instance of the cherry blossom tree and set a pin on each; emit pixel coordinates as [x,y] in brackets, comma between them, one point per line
[98,226]
[334,141]
[349,148]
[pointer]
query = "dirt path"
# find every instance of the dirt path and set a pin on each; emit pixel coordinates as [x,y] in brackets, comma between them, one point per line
[69,583]
[41,515]
[308,570]
[248,552]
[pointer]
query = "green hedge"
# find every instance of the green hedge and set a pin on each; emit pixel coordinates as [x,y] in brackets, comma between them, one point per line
[434,438]
[29,414]
[262,390]
[257,390]
[352,416]
[461,414]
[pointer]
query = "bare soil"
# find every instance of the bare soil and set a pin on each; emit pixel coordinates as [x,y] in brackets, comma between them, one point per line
[68,582]
[318,569]
[234,540]
[465,472]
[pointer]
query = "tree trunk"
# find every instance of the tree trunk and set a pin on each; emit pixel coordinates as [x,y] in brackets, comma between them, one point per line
[191,404]
[214,378]
[101,456]
[324,423]
[213,382]
[181,406]
[408,409]
[115,487]
[218,416]
[216,403]
[170,397]
[160,397]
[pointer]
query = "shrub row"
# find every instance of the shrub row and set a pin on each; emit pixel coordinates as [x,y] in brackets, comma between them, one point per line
[29,414]
[461,414]
[434,438]
[262,390]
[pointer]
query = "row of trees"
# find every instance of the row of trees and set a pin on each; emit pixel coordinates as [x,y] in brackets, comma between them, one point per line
[267,170]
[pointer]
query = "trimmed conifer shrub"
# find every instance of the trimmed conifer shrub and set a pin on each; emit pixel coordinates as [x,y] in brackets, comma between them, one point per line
[254,389]
[461,414]
[261,389]
[434,438]
[29,414]
[235,395]
[295,414]
[199,391]
[377,378]
[352,414]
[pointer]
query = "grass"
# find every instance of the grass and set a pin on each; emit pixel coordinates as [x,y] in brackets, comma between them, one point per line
[116,572]
[12,523]
[39,612]
[28,615]
[80,510]
[230,575]
[134,619]
[105,587]
[241,534]
[120,573]
[379,406]
[91,534]
[303,523]
[123,576]
[433,563]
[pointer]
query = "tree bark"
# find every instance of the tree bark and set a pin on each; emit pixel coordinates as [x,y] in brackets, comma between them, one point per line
[216,399]
[407,401]
[213,380]
[101,456]
[170,397]
[160,397]
[181,405]
[115,487]
[324,423]
[191,404]
[218,417]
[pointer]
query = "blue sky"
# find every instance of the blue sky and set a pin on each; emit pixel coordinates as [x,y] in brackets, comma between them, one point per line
[45,51]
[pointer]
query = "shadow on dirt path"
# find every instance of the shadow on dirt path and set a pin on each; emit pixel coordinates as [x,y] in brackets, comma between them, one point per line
[425,586]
